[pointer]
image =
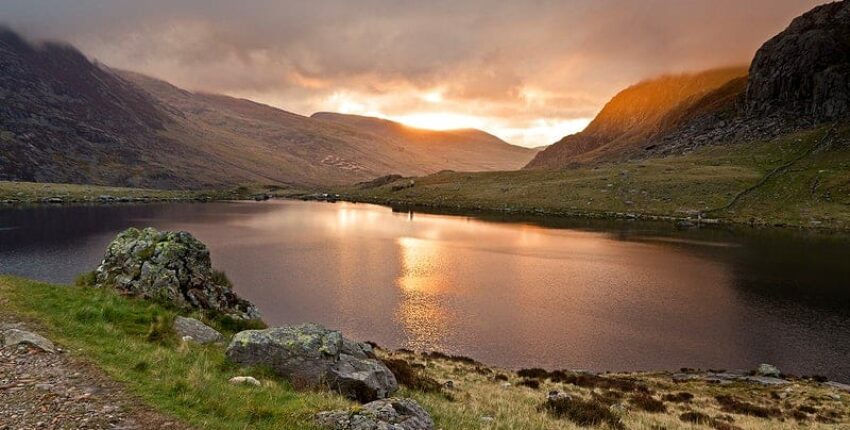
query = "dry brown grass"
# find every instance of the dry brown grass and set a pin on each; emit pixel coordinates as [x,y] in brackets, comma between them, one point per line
[483,401]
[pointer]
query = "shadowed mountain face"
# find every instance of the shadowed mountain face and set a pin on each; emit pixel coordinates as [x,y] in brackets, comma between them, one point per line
[805,70]
[65,119]
[635,115]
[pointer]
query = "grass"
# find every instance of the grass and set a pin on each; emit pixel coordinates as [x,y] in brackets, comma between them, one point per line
[22,193]
[132,341]
[813,192]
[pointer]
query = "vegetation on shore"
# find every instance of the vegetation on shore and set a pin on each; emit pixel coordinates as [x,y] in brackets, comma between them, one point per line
[28,193]
[130,340]
[800,180]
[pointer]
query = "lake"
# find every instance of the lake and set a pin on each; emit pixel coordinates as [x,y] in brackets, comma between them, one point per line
[531,292]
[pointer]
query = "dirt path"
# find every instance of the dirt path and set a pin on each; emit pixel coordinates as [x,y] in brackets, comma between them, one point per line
[40,390]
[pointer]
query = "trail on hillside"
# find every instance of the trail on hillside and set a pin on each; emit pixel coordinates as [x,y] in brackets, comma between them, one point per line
[776,172]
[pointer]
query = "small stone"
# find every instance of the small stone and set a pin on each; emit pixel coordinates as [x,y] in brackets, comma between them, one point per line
[245,380]
[617,408]
[449,385]
[14,337]
[196,331]
[768,370]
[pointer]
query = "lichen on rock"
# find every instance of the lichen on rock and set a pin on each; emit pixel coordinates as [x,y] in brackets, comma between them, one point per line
[312,355]
[386,414]
[173,267]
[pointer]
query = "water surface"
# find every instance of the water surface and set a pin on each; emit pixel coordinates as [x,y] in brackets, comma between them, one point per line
[513,293]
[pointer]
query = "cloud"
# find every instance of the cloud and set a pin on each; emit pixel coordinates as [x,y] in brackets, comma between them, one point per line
[513,65]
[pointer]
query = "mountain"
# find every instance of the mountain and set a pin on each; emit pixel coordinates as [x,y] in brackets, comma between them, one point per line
[798,79]
[64,118]
[464,149]
[635,115]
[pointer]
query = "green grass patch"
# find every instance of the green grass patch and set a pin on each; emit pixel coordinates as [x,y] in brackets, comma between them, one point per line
[133,342]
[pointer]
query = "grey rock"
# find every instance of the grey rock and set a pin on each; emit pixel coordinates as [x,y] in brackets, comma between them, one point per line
[196,330]
[838,386]
[14,337]
[169,266]
[244,380]
[312,355]
[805,70]
[765,380]
[386,414]
[768,370]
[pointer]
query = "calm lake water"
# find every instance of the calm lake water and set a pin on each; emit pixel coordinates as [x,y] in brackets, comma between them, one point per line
[513,293]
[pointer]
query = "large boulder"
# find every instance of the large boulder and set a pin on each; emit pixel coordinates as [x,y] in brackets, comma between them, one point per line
[387,414]
[312,355]
[170,266]
[805,70]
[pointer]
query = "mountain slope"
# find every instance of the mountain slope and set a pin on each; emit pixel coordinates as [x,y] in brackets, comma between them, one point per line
[633,116]
[465,149]
[66,119]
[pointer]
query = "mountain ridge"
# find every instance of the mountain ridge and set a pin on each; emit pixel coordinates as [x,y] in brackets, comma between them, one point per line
[67,119]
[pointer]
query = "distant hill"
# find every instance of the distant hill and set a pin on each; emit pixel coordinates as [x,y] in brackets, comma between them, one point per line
[463,149]
[635,115]
[66,119]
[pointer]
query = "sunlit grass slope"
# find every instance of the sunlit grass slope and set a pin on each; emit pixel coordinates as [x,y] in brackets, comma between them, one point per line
[800,179]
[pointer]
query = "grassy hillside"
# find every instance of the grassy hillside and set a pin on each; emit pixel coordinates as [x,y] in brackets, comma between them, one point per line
[635,115]
[813,190]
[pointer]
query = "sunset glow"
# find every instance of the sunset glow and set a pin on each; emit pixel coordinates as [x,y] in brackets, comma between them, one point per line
[452,66]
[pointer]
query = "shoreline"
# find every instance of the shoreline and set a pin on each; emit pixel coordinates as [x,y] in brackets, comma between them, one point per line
[459,392]
[26,194]
[683,223]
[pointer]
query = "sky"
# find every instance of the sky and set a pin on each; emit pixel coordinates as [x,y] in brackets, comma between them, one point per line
[529,71]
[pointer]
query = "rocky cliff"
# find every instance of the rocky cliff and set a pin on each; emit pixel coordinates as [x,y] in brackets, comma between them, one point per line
[805,70]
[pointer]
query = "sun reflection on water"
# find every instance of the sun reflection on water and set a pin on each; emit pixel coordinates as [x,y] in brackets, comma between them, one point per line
[421,311]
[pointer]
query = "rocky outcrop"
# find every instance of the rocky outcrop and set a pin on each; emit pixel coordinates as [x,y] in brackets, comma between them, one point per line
[387,414]
[196,331]
[169,266]
[805,70]
[312,355]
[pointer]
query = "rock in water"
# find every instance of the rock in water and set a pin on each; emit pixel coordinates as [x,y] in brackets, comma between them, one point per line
[805,70]
[170,266]
[387,414]
[198,331]
[14,337]
[312,355]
